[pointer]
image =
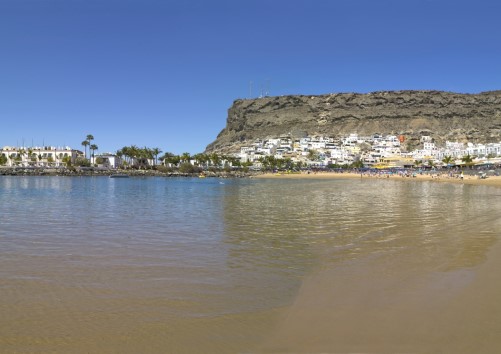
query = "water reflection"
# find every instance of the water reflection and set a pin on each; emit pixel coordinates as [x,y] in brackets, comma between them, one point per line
[138,258]
[296,224]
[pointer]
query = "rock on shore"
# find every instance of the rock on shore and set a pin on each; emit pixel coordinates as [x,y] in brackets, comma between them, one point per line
[21,171]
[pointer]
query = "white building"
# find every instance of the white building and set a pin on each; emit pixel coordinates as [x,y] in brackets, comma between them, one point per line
[108,160]
[247,149]
[475,149]
[47,156]
[493,149]
[316,145]
[351,140]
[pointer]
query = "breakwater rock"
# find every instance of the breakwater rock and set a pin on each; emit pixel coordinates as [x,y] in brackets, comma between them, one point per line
[22,171]
[442,115]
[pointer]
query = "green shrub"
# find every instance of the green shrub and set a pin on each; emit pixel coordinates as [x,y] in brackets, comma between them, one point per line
[187,167]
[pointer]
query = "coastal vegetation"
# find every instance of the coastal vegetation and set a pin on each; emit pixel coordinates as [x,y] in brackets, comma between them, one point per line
[3,159]
[283,154]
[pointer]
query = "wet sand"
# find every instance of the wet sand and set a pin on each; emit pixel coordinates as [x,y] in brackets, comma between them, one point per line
[373,309]
[393,305]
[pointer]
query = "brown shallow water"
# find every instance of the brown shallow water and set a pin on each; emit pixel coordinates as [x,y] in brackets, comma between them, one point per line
[391,306]
[217,266]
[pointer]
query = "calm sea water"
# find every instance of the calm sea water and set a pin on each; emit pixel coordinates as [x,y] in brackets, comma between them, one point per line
[210,265]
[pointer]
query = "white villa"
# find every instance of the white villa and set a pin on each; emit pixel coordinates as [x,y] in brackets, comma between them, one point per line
[108,160]
[47,156]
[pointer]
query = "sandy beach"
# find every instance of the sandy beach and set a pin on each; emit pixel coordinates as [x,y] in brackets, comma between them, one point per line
[494,181]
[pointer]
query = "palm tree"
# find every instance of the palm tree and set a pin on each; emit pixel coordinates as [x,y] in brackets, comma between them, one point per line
[89,138]
[234,161]
[119,154]
[133,153]
[264,163]
[199,159]
[357,164]
[467,159]
[127,153]
[185,156]
[146,154]
[85,143]
[174,159]
[447,160]
[30,152]
[156,151]
[269,162]
[169,158]
[93,147]
[215,159]
[313,155]
[22,152]
[13,158]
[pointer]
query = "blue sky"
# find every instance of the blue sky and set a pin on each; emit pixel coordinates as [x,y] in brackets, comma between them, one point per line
[163,73]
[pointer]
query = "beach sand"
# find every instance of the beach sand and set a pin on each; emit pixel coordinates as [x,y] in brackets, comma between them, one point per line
[494,181]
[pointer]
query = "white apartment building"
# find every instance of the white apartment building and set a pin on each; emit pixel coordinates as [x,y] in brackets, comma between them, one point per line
[47,156]
[493,149]
[267,150]
[345,150]
[475,149]
[351,140]
[390,140]
[275,142]
[316,145]
[454,149]
[247,149]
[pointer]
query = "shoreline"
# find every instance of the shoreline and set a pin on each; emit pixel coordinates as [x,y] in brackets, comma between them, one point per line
[89,172]
[494,181]
[491,180]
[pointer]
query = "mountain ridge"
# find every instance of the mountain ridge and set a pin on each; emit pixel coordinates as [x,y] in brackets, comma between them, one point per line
[464,117]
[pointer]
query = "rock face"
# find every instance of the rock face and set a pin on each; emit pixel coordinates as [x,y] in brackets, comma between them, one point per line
[442,115]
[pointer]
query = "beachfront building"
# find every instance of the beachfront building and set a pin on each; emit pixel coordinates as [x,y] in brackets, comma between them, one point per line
[107,160]
[453,149]
[374,150]
[493,149]
[47,156]
[428,152]
[475,150]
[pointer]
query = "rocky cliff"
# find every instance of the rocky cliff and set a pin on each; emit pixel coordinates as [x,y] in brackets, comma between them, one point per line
[441,115]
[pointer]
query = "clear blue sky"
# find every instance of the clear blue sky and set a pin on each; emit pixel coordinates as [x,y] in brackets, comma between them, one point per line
[163,73]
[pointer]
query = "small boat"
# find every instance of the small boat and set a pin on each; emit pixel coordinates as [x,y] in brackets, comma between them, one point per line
[119,175]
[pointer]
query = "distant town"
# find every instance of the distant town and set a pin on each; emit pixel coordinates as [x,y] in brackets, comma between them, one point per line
[284,152]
